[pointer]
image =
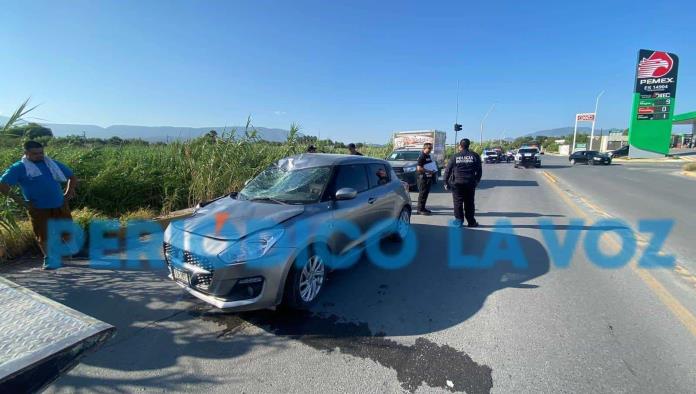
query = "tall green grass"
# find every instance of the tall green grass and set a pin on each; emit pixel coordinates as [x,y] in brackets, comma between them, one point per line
[116,180]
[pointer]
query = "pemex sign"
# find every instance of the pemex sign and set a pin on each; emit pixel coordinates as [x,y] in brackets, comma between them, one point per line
[653,103]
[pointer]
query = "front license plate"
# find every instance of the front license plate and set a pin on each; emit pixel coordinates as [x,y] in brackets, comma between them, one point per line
[181,276]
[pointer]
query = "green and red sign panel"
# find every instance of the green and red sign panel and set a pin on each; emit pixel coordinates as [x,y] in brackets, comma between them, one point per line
[653,103]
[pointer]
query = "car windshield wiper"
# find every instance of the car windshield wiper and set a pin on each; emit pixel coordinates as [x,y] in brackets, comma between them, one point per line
[269,199]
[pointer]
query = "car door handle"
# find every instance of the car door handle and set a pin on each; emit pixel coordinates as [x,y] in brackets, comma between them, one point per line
[371,200]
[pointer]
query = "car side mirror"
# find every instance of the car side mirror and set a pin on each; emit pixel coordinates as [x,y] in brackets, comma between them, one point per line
[346,193]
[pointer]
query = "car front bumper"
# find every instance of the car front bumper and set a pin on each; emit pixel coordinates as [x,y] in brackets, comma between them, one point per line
[408,177]
[605,162]
[249,285]
[528,163]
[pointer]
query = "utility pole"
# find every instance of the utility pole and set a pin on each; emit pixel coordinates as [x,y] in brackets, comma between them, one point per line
[483,120]
[595,118]
[457,126]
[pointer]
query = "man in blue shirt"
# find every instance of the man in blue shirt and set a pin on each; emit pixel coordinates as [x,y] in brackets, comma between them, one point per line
[39,177]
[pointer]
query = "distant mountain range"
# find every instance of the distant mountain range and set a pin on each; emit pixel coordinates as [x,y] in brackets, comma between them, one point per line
[168,133]
[155,133]
[560,132]
[565,131]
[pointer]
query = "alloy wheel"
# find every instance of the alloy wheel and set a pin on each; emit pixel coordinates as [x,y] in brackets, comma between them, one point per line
[311,278]
[403,224]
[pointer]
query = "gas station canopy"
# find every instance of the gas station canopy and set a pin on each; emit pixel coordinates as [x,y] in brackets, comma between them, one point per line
[685,118]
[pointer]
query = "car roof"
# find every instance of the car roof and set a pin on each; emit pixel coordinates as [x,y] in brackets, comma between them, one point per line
[309,160]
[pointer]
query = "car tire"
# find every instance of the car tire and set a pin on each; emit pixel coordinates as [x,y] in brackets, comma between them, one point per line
[303,287]
[572,162]
[400,234]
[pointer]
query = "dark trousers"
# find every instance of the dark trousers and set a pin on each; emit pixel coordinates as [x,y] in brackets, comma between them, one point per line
[423,191]
[464,194]
[39,222]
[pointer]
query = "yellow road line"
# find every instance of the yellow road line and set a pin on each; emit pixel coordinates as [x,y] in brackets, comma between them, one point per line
[678,310]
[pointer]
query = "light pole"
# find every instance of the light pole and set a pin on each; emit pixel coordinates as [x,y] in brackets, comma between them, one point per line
[483,120]
[596,106]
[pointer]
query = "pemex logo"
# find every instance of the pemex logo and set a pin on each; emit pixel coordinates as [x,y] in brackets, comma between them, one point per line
[657,65]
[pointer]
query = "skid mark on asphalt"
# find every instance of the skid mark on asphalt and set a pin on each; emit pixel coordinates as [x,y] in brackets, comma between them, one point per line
[425,362]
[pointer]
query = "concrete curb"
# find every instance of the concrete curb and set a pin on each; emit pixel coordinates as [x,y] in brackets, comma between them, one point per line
[689,173]
[647,160]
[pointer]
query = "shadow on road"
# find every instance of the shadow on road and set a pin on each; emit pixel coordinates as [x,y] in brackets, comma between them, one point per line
[518,215]
[556,227]
[555,166]
[491,183]
[158,324]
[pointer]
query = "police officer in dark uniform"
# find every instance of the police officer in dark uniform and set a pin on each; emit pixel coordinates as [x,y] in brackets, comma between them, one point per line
[352,150]
[462,175]
[426,177]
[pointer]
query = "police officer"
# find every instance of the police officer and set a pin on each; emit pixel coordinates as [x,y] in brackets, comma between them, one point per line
[426,177]
[462,175]
[352,150]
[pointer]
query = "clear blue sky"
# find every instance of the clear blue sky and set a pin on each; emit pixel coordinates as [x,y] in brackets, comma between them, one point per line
[348,70]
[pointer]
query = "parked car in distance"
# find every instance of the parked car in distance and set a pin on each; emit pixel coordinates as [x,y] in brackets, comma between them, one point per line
[490,156]
[528,157]
[272,242]
[621,152]
[590,157]
[404,163]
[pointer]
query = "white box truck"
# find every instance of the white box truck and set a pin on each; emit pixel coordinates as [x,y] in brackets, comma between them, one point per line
[407,148]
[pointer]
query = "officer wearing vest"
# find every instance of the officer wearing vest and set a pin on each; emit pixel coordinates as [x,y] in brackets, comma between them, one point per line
[427,176]
[462,175]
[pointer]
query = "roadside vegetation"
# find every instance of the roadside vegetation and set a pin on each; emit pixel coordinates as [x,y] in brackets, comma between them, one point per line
[160,178]
[690,167]
[135,179]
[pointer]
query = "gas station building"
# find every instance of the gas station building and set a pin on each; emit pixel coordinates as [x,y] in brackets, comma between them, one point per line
[688,118]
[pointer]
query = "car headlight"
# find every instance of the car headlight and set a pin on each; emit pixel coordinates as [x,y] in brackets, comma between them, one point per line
[410,169]
[252,246]
[596,158]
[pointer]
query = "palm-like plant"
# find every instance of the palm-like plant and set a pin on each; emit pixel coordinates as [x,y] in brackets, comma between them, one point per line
[8,208]
[17,116]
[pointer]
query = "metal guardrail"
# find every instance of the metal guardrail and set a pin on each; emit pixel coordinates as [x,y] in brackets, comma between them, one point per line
[41,339]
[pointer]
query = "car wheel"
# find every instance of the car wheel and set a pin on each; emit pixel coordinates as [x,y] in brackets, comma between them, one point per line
[403,225]
[305,280]
[572,162]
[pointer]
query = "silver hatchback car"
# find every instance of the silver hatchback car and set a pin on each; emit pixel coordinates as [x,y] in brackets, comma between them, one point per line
[275,241]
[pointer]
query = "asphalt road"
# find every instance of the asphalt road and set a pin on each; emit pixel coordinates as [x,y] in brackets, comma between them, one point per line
[634,191]
[426,327]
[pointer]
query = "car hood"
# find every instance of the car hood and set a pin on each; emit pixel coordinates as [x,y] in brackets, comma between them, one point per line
[402,163]
[231,219]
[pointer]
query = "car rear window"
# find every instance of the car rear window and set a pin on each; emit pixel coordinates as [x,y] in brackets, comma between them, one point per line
[531,150]
[377,174]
